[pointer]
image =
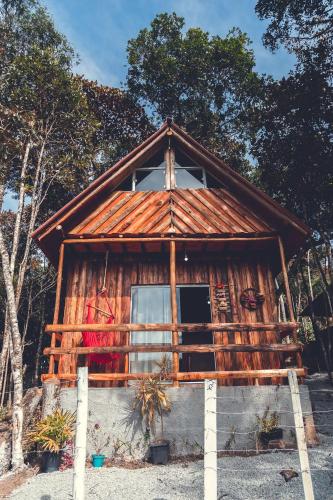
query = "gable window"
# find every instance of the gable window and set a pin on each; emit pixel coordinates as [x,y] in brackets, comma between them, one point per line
[181,172]
[187,173]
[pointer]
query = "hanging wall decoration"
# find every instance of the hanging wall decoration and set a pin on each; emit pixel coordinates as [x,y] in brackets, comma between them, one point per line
[251,299]
[221,297]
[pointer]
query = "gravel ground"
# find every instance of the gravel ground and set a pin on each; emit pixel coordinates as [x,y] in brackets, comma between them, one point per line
[255,478]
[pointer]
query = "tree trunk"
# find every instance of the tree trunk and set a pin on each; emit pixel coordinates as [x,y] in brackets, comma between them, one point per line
[16,360]
[20,207]
[309,273]
[316,329]
[33,216]
[14,250]
[40,340]
[325,285]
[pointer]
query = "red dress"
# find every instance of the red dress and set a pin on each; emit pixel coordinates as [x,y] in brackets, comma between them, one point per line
[99,339]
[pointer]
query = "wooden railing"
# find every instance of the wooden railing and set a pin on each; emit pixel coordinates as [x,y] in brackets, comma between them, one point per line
[280,328]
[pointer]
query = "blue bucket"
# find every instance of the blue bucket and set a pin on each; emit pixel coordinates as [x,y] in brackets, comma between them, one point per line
[98,460]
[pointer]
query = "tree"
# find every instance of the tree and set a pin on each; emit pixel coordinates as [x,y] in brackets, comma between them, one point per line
[302,26]
[206,83]
[123,124]
[45,126]
[294,146]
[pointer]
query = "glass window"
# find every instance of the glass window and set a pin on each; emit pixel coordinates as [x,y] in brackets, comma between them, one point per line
[150,304]
[150,180]
[126,185]
[189,178]
[152,175]
[212,182]
[157,161]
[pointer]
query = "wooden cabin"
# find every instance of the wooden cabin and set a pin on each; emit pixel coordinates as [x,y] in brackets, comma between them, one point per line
[183,251]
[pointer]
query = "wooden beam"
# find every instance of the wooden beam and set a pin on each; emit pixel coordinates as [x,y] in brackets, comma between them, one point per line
[174,308]
[169,327]
[199,348]
[105,239]
[57,335]
[183,376]
[57,302]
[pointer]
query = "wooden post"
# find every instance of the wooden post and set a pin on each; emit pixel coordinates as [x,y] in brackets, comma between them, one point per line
[210,446]
[57,302]
[174,310]
[300,436]
[81,434]
[288,295]
[285,280]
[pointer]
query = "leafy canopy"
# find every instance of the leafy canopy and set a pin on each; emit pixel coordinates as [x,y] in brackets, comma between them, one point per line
[304,27]
[207,84]
[294,146]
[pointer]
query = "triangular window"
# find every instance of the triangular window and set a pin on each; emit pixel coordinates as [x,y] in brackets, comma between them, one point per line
[159,174]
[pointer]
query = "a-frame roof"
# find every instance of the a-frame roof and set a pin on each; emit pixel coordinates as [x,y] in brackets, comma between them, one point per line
[237,208]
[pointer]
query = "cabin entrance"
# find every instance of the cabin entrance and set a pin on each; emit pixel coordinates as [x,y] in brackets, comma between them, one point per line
[151,304]
[194,307]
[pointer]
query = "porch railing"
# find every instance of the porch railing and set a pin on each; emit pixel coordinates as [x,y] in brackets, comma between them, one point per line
[243,328]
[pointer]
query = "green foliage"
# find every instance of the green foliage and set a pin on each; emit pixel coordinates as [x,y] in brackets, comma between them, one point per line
[267,423]
[151,398]
[122,124]
[300,25]
[206,83]
[53,431]
[3,413]
[294,146]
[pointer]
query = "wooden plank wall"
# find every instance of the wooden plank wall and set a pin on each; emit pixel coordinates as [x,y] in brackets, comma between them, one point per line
[85,276]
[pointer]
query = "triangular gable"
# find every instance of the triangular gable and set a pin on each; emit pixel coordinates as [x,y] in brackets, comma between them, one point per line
[251,199]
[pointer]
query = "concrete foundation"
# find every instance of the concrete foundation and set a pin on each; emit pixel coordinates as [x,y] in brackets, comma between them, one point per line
[111,408]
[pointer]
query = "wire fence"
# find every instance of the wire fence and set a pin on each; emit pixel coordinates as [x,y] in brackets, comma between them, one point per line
[298,456]
[221,406]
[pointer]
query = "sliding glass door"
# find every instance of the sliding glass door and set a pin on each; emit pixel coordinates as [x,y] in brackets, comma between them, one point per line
[150,304]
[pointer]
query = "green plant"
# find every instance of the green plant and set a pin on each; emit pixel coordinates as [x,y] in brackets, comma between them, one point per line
[267,423]
[53,431]
[3,413]
[151,398]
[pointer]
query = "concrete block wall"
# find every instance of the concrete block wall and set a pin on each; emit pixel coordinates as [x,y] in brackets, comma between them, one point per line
[111,408]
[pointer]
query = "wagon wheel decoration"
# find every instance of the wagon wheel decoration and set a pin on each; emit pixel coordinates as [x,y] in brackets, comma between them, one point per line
[251,299]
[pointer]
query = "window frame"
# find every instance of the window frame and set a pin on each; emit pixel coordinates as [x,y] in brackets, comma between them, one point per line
[170,168]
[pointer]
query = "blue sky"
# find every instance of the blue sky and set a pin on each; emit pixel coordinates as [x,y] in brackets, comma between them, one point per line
[99,30]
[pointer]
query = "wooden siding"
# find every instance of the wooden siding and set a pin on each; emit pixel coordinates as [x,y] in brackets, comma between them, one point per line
[182,211]
[84,278]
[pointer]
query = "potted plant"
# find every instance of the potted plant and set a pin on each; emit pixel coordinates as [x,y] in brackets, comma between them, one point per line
[152,401]
[100,440]
[268,428]
[51,433]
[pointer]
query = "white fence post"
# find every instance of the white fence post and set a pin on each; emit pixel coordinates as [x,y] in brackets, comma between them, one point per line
[210,456]
[300,436]
[81,434]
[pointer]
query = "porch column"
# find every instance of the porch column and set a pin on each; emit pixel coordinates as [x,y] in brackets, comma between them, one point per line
[288,295]
[285,280]
[174,310]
